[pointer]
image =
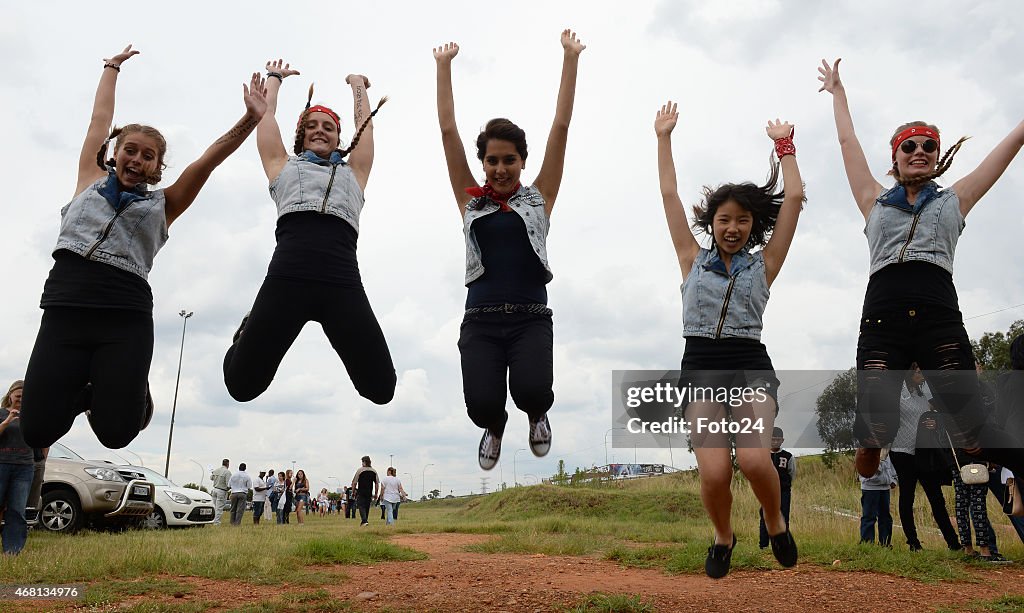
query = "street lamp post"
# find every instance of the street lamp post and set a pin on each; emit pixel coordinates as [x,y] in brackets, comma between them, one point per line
[412,482]
[174,406]
[202,472]
[515,479]
[423,482]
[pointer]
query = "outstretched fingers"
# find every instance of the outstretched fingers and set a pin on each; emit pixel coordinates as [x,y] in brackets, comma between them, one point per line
[446,51]
[570,42]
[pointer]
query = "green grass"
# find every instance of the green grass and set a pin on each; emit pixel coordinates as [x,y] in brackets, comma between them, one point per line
[1004,604]
[616,603]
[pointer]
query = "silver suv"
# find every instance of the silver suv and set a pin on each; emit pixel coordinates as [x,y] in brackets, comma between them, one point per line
[77,492]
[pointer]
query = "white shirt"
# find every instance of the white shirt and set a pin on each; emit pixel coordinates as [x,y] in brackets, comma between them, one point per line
[912,406]
[257,495]
[240,482]
[392,488]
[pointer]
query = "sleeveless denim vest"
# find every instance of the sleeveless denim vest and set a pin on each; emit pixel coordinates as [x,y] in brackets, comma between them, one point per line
[528,204]
[310,183]
[720,304]
[926,231]
[128,238]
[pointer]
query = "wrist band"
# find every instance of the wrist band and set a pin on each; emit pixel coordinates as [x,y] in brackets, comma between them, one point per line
[271,73]
[116,67]
[784,146]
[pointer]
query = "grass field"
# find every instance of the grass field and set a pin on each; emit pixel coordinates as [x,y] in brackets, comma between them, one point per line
[650,523]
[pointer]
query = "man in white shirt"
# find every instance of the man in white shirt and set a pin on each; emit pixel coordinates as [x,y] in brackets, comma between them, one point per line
[220,489]
[272,494]
[239,484]
[259,497]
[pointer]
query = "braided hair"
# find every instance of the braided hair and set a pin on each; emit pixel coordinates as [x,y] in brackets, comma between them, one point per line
[940,167]
[300,130]
[119,134]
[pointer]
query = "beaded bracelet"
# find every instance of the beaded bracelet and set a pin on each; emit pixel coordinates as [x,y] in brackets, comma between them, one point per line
[280,77]
[116,67]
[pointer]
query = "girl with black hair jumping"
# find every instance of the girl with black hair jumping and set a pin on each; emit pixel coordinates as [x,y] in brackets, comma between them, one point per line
[313,274]
[95,342]
[911,310]
[725,291]
[506,339]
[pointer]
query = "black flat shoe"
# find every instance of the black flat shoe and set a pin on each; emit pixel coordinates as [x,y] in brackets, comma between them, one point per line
[716,565]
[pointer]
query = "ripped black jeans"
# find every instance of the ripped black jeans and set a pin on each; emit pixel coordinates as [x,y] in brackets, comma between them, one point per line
[936,339]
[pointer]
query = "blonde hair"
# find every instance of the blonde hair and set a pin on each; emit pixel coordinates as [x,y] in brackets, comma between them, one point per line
[118,135]
[942,166]
[6,402]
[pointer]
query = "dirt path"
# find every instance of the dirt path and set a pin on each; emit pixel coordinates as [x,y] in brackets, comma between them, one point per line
[454,580]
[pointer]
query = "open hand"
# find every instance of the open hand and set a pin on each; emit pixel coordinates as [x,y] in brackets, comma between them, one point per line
[829,76]
[570,43]
[779,129]
[255,96]
[118,59]
[280,67]
[446,52]
[665,122]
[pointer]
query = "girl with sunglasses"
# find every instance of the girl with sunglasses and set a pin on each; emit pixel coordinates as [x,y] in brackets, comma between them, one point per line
[911,312]
[313,274]
[725,291]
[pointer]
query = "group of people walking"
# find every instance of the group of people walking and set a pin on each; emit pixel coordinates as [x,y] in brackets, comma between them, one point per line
[280,493]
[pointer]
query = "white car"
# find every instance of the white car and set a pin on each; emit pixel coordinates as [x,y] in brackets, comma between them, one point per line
[173,505]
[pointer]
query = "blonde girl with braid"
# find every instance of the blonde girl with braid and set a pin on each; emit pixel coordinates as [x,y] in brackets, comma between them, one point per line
[314,273]
[911,311]
[95,341]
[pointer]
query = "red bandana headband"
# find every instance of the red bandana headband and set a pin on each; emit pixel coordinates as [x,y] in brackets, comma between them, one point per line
[914,131]
[320,109]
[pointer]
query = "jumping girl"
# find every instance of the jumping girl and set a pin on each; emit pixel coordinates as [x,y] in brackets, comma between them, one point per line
[911,311]
[95,342]
[313,274]
[506,339]
[725,291]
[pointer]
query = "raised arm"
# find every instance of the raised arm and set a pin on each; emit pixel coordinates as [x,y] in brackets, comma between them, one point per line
[99,124]
[675,214]
[273,153]
[785,224]
[549,179]
[459,173]
[865,188]
[181,194]
[361,158]
[971,188]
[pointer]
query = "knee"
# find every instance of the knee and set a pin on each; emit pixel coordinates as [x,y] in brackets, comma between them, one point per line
[753,462]
[534,399]
[380,393]
[115,437]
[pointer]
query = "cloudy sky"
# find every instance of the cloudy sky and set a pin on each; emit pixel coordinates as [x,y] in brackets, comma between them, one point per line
[732,66]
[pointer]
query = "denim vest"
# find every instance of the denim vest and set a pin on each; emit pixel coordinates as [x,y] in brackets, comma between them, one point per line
[128,238]
[718,304]
[926,231]
[528,204]
[310,183]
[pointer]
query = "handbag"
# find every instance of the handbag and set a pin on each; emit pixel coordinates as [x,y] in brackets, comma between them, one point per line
[1012,503]
[971,474]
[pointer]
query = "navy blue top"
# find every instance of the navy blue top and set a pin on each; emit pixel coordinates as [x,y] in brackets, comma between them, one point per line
[512,272]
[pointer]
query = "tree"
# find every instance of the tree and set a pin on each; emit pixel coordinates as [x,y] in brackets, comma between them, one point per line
[561,477]
[836,408]
[195,486]
[993,348]
[435,493]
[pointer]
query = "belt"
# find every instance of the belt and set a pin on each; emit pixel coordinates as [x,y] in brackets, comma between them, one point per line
[221,489]
[537,309]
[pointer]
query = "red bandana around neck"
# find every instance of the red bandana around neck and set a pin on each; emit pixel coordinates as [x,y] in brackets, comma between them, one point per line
[488,192]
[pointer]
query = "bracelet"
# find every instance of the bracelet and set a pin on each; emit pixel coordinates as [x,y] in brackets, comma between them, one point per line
[116,67]
[280,77]
[784,146]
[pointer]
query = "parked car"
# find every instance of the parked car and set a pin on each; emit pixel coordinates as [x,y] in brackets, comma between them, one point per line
[173,505]
[77,492]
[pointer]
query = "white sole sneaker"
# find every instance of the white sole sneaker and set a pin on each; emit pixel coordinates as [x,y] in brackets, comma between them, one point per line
[489,451]
[540,436]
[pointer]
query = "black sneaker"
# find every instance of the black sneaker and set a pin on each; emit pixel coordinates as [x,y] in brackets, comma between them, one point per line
[540,436]
[241,326]
[490,450]
[916,547]
[784,548]
[716,565]
[997,558]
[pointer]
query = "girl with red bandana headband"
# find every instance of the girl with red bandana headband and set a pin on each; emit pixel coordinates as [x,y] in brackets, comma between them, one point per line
[911,312]
[725,291]
[313,274]
[506,336]
[95,342]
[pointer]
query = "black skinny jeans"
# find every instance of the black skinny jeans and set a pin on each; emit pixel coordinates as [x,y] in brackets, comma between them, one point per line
[109,348]
[909,477]
[363,504]
[935,338]
[282,308]
[506,353]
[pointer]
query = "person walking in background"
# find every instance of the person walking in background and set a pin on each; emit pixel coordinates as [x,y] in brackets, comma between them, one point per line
[273,495]
[220,477]
[365,483]
[972,509]
[391,495]
[239,485]
[350,502]
[259,497]
[301,495]
[17,466]
[785,465]
[282,498]
[289,497]
[874,504]
[322,502]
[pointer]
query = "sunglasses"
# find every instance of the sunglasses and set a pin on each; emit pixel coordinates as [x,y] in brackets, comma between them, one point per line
[909,146]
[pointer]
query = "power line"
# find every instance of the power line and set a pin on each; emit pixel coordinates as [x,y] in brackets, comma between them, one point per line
[1016,306]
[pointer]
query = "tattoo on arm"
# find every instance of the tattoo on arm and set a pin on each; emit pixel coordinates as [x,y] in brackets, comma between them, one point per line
[239,131]
[359,106]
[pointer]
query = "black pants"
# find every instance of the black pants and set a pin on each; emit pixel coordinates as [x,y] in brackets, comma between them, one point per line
[935,338]
[502,353]
[109,348]
[363,504]
[909,477]
[787,494]
[282,308]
